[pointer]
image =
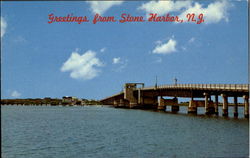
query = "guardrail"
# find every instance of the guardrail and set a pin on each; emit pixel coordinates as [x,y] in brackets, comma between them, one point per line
[202,86]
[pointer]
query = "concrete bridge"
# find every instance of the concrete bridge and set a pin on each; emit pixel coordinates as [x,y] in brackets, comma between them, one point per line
[135,95]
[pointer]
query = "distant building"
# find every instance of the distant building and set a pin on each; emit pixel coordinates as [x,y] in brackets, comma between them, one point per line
[68,100]
[80,102]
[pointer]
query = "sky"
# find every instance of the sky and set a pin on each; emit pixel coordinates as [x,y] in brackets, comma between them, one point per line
[93,61]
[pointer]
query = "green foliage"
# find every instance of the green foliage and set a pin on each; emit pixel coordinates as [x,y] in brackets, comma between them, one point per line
[46,101]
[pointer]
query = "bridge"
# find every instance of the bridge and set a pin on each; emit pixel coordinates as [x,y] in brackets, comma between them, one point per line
[135,95]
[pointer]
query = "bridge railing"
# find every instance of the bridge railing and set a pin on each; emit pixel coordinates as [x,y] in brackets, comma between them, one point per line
[203,86]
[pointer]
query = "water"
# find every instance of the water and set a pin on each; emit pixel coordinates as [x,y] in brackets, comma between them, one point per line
[104,132]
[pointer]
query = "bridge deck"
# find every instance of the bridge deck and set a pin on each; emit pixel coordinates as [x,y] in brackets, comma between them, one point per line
[211,87]
[115,95]
[237,87]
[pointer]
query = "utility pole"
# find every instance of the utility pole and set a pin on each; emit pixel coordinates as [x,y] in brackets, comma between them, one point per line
[156,81]
[175,81]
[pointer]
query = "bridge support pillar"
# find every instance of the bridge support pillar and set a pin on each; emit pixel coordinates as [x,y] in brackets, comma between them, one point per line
[140,97]
[216,105]
[161,104]
[208,108]
[192,108]
[175,107]
[235,106]
[246,106]
[115,103]
[133,104]
[206,103]
[121,103]
[225,105]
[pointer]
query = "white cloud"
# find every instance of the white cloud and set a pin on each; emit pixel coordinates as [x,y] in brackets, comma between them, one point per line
[184,48]
[120,64]
[3,26]
[83,66]
[20,39]
[158,60]
[158,42]
[165,48]
[15,94]
[101,7]
[191,40]
[116,60]
[213,13]
[163,7]
[103,50]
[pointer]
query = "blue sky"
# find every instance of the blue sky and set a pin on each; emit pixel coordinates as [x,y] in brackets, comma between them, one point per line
[95,60]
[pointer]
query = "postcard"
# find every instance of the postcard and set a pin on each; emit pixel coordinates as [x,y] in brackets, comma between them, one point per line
[141,79]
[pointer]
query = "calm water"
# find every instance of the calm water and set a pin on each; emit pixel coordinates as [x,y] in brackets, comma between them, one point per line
[103,132]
